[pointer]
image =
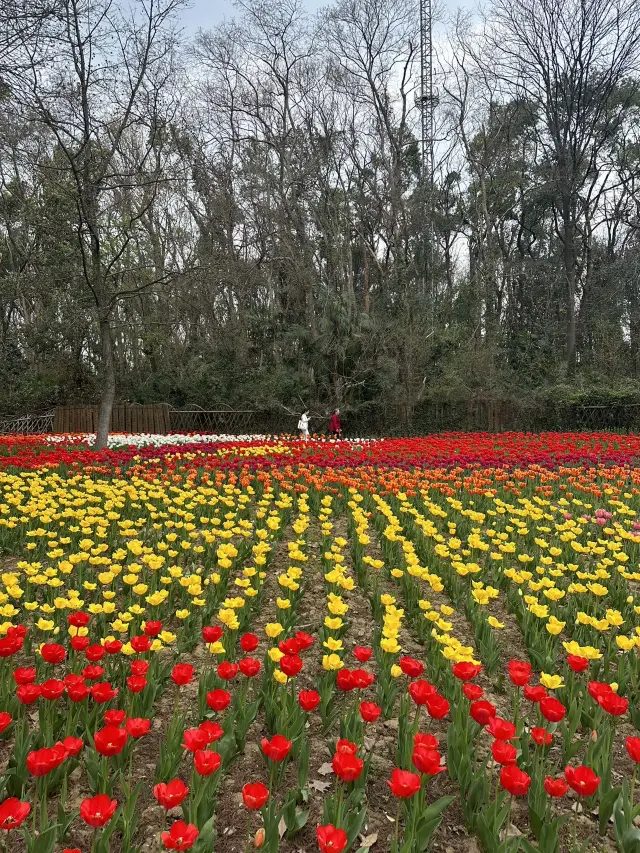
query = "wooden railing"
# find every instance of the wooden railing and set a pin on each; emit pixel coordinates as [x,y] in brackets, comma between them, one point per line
[28,424]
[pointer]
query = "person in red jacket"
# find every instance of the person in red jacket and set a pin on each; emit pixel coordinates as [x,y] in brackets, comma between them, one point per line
[335,429]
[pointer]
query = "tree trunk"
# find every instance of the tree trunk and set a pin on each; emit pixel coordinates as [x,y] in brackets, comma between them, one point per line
[570,277]
[109,382]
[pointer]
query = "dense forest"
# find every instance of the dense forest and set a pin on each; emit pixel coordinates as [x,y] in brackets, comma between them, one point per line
[237,217]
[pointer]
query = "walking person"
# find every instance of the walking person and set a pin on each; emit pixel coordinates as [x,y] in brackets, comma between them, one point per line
[335,427]
[303,425]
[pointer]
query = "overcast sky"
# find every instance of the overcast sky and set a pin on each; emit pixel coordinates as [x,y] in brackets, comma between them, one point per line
[207,13]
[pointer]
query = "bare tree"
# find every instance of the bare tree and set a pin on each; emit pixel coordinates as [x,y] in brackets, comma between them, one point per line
[94,73]
[569,59]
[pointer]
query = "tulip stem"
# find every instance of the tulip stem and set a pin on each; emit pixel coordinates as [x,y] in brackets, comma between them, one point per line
[339,806]
[398,807]
[633,785]
[507,830]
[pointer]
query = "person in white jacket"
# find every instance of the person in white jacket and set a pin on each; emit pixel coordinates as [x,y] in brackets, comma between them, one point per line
[303,425]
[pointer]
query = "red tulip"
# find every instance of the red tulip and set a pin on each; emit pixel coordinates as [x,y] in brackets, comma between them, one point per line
[98,810]
[515,781]
[213,731]
[555,787]
[227,670]
[103,692]
[534,694]
[212,634]
[427,740]
[5,721]
[114,717]
[80,644]
[255,795]
[249,642]
[113,647]
[362,679]
[519,672]
[633,748]
[93,672]
[369,711]
[427,760]
[551,709]
[206,761]
[13,813]
[577,664]
[347,766]
[582,779]
[404,783]
[613,704]
[308,700]
[330,839]
[504,752]
[482,711]
[250,667]
[152,628]
[78,692]
[362,653]
[28,693]
[465,671]
[277,748]
[420,691]
[344,680]
[136,683]
[195,739]
[291,646]
[437,706]
[110,740]
[473,692]
[140,644]
[53,653]
[41,762]
[170,794]
[78,619]
[346,746]
[597,688]
[73,745]
[218,700]
[501,729]
[94,653]
[305,640]
[291,665]
[411,667]
[24,675]
[138,726]
[181,836]
[10,646]
[181,674]
[541,736]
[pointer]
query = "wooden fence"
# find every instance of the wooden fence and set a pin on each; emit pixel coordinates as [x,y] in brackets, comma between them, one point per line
[125,417]
[429,417]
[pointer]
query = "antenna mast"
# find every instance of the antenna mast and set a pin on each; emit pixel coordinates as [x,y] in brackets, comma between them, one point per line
[428,101]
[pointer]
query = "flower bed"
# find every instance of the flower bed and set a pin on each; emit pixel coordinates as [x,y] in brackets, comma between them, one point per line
[214,643]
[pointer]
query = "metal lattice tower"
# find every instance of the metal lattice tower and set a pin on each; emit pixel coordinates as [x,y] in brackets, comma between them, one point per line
[427,101]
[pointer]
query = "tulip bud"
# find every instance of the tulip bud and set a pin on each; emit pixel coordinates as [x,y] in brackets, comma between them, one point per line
[258,841]
[594,736]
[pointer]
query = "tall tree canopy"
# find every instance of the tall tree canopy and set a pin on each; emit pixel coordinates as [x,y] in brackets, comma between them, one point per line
[238,217]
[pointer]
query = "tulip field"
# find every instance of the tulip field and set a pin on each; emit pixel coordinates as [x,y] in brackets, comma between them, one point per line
[218,644]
